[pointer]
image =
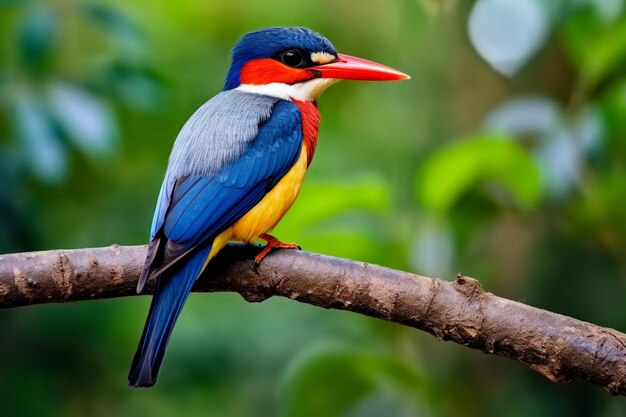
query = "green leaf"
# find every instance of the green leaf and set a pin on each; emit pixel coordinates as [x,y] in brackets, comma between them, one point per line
[606,53]
[4,3]
[136,87]
[38,35]
[118,27]
[320,201]
[460,167]
[597,47]
[342,217]
[332,380]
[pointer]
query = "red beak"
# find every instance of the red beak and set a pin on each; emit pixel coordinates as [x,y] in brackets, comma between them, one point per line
[353,68]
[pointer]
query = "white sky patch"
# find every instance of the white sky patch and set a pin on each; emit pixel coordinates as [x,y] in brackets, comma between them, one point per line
[322,57]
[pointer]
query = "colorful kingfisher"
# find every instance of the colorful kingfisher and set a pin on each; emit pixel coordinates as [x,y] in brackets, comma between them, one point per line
[237,166]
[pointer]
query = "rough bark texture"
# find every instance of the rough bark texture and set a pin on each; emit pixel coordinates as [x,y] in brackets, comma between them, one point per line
[559,347]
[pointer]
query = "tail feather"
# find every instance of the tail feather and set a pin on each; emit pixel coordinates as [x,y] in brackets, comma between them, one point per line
[171,292]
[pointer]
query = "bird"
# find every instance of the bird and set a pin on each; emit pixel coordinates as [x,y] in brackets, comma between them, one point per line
[237,166]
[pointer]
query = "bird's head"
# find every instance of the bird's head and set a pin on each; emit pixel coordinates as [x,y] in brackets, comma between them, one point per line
[296,63]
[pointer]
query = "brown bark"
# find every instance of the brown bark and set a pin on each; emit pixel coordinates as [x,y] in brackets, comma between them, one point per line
[559,347]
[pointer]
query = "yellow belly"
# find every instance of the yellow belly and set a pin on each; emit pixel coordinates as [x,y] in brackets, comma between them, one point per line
[263,217]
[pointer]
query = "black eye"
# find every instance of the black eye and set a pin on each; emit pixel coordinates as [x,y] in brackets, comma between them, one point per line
[293,58]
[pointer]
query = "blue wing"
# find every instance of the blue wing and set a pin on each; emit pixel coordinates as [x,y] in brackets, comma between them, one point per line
[191,212]
[194,209]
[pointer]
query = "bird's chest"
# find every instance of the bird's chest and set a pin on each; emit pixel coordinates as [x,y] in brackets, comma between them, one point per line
[267,213]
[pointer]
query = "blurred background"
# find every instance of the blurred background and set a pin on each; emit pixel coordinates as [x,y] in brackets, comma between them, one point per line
[503,158]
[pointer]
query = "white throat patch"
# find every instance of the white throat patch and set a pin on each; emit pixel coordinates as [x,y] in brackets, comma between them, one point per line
[309,90]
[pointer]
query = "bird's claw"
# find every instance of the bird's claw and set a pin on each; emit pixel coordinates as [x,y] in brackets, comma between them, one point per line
[272,243]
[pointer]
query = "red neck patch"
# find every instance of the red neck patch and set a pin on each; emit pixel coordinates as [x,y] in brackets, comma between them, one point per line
[310,126]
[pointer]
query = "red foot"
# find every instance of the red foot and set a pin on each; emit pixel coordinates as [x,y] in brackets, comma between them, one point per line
[272,243]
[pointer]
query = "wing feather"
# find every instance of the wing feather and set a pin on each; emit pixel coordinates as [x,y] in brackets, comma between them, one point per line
[195,208]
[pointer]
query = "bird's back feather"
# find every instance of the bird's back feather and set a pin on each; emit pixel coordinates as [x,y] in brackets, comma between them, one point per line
[226,144]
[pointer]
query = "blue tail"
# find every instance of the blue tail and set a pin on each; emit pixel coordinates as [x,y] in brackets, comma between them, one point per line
[172,289]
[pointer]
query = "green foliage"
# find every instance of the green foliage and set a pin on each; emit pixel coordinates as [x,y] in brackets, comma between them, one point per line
[38,36]
[57,101]
[337,381]
[343,216]
[458,169]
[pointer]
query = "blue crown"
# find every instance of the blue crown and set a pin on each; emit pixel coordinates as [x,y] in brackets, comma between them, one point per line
[268,43]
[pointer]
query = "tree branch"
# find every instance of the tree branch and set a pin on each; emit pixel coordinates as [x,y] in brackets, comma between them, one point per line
[558,347]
